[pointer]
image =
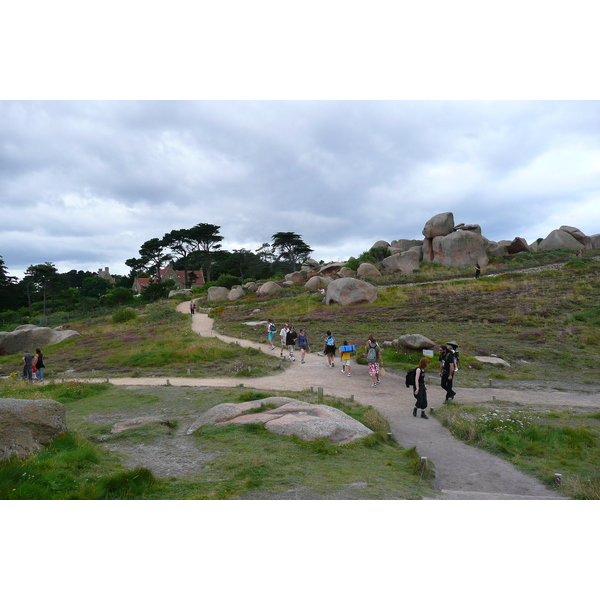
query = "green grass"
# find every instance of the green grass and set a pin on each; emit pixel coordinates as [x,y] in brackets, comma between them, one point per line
[541,443]
[250,461]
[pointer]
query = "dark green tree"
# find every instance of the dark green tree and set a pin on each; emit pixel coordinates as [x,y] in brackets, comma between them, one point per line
[290,248]
[206,240]
[43,282]
[152,258]
[8,289]
[182,245]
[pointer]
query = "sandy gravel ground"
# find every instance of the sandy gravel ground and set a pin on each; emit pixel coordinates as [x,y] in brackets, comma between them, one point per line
[462,471]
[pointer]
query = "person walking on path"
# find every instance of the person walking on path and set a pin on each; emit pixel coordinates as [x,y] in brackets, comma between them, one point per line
[302,345]
[38,362]
[27,361]
[419,389]
[283,337]
[290,341]
[345,352]
[271,330]
[192,307]
[374,359]
[447,368]
[329,349]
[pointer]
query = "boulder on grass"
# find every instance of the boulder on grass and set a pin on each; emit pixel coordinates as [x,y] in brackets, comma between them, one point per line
[218,294]
[346,272]
[316,282]
[268,288]
[26,426]
[578,235]
[235,293]
[367,270]
[348,291]
[297,277]
[415,341]
[331,269]
[29,337]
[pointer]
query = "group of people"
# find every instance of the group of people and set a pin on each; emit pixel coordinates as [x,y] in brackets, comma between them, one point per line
[448,367]
[33,365]
[448,361]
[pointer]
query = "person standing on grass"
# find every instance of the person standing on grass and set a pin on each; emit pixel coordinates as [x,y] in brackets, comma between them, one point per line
[38,362]
[283,337]
[345,352]
[27,361]
[447,369]
[302,344]
[374,359]
[419,389]
[290,341]
[329,349]
[271,330]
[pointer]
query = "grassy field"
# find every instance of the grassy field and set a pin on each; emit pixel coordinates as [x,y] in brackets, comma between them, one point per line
[244,461]
[539,442]
[543,323]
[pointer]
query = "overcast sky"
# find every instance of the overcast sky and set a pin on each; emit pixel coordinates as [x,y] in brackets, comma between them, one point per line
[351,145]
[84,184]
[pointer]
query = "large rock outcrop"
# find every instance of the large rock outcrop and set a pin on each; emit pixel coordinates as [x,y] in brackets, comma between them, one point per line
[290,417]
[316,282]
[460,249]
[560,240]
[26,426]
[349,291]
[297,277]
[30,337]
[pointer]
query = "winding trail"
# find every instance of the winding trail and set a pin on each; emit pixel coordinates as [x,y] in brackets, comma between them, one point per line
[462,471]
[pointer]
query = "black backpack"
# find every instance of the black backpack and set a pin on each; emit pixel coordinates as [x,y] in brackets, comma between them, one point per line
[410,377]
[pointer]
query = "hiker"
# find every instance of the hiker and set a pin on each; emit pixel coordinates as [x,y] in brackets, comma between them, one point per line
[302,345]
[454,346]
[271,329]
[374,360]
[447,368]
[283,338]
[27,361]
[38,363]
[329,349]
[192,306]
[477,271]
[345,353]
[290,341]
[419,389]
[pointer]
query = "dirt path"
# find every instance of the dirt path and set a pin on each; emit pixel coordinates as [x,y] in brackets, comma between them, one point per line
[462,471]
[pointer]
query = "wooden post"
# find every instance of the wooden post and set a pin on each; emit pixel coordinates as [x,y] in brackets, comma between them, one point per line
[320,395]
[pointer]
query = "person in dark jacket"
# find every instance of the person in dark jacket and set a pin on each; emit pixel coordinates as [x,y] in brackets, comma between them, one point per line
[290,340]
[419,389]
[38,361]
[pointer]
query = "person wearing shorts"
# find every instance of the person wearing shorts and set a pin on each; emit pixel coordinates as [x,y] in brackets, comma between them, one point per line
[376,363]
[271,329]
[346,352]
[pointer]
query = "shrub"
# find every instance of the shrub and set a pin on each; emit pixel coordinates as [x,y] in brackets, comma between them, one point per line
[228,281]
[123,315]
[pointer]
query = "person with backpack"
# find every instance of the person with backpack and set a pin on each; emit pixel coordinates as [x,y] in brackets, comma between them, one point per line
[346,352]
[374,360]
[447,368]
[329,349]
[416,378]
[271,330]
